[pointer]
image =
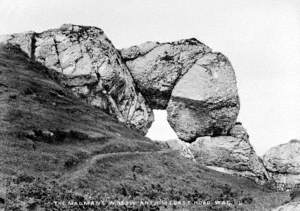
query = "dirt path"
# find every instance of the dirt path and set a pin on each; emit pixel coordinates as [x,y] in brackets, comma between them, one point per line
[82,168]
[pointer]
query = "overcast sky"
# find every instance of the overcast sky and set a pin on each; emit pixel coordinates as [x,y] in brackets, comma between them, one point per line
[260,37]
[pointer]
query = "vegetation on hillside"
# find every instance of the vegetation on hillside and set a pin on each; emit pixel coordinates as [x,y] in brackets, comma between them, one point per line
[57,153]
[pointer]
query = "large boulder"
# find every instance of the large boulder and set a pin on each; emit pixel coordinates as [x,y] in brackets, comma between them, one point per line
[92,68]
[283,163]
[231,154]
[156,67]
[205,101]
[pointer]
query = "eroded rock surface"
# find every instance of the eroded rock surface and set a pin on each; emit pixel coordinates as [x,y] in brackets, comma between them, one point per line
[93,69]
[205,101]
[283,163]
[231,154]
[196,86]
[156,67]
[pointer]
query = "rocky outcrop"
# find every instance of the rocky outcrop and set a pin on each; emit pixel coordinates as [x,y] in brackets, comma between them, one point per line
[205,100]
[92,69]
[156,67]
[199,90]
[198,87]
[53,144]
[195,85]
[283,163]
[231,154]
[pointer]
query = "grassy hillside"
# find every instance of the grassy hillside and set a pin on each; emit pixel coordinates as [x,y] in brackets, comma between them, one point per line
[56,150]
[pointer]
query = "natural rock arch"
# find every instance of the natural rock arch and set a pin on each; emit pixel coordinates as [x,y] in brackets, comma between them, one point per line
[196,86]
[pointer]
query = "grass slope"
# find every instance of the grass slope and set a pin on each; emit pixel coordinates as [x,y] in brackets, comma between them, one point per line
[55,149]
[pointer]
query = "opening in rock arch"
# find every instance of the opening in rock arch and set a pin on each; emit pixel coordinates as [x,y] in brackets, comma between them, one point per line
[160,128]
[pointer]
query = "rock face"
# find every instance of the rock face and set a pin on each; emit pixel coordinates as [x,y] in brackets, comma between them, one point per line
[198,87]
[205,100]
[283,163]
[230,154]
[36,107]
[195,85]
[92,69]
[156,67]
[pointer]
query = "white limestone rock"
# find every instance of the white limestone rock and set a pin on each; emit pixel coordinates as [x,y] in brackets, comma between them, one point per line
[93,69]
[205,101]
[156,67]
[283,163]
[231,154]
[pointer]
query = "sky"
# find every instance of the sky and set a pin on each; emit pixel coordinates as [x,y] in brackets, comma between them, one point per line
[261,38]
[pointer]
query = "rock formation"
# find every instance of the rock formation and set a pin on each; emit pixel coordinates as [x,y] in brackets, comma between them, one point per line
[156,67]
[195,85]
[198,87]
[283,163]
[230,154]
[35,106]
[92,69]
[205,100]
[199,90]
[55,143]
